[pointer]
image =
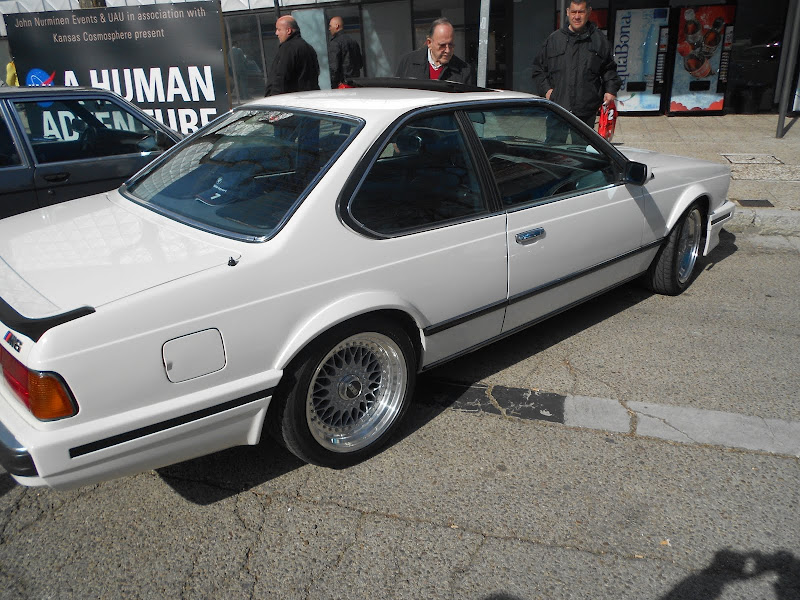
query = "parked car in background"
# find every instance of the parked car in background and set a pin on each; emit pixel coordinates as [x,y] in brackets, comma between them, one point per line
[292,266]
[60,143]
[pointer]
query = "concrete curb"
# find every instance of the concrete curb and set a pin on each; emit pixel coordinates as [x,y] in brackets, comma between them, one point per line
[765,221]
[680,424]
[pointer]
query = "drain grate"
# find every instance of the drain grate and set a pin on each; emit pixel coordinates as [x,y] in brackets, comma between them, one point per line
[752,159]
[754,203]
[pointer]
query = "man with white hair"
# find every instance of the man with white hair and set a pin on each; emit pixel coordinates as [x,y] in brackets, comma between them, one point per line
[437,60]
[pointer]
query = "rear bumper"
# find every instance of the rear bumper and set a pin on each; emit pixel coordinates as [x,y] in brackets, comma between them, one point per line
[82,454]
[14,457]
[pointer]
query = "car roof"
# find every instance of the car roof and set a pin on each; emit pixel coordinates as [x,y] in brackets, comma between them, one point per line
[367,101]
[40,90]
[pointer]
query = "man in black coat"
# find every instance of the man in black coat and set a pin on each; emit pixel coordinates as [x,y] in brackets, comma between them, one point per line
[295,67]
[575,67]
[344,54]
[437,60]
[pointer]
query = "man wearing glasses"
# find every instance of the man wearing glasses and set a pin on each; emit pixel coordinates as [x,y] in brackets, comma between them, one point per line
[437,60]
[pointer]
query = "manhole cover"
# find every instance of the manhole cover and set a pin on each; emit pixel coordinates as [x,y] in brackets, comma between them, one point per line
[752,159]
[755,203]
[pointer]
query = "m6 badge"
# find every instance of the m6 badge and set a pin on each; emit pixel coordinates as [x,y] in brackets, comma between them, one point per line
[13,341]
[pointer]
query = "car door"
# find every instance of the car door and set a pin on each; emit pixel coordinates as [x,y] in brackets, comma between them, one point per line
[83,146]
[423,204]
[573,228]
[17,193]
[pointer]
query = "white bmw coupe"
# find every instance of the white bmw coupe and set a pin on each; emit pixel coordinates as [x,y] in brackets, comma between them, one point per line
[292,267]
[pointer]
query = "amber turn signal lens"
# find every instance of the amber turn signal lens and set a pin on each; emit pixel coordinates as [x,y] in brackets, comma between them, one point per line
[48,398]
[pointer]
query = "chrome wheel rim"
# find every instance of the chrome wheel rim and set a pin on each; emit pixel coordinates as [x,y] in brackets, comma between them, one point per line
[689,245]
[356,392]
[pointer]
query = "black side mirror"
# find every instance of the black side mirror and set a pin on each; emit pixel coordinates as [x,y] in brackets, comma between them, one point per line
[636,173]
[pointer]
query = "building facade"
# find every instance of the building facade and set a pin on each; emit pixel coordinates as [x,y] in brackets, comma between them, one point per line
[667,67]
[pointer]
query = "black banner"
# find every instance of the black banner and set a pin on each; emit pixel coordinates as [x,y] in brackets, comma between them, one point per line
[165,58]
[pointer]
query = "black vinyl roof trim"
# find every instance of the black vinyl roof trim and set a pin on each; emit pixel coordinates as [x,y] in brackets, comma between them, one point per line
[429,85]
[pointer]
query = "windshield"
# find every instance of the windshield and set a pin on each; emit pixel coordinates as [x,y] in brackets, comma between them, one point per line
[245,175]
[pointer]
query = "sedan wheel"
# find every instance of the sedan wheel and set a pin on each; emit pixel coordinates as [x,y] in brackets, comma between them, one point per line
[347,393]
[673,267]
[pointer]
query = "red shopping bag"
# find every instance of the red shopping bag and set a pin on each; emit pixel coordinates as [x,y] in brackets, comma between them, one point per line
[608,120]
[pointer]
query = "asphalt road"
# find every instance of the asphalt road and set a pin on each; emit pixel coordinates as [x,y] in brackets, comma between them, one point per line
[471,502]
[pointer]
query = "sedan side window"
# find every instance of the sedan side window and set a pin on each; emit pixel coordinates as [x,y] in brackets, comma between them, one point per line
[423,177]
[78,129]
[535,154]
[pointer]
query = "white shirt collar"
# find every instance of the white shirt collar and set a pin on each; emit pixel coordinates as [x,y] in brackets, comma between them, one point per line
[430,61]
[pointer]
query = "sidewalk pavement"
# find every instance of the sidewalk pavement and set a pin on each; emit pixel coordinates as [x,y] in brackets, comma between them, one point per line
[765,170]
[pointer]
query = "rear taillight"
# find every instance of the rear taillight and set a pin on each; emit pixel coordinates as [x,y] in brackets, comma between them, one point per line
[45,394]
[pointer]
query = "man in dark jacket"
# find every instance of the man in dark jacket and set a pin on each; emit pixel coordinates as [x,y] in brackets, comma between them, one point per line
[295,67]
[437,60]
[575,67]
[344,54]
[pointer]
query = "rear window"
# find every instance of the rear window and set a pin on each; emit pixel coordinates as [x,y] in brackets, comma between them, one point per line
[243,176]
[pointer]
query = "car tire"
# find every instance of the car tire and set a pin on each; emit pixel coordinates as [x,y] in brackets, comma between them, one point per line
[672,269]
[341,400]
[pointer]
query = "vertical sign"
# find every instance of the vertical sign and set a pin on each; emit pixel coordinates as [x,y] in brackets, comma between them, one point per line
[640,56]
[705,38]
[165,58]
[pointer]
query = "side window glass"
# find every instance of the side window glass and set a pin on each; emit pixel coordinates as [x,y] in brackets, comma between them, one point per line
[423,177]
[9,156]
[80,129]
[535,154]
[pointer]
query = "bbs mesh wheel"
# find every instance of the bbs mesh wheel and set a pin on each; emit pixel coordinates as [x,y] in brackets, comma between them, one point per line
[346,394]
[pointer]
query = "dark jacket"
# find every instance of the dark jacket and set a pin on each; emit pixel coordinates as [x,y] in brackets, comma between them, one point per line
[414,65]
[344,58]
[579,67]
[294,69]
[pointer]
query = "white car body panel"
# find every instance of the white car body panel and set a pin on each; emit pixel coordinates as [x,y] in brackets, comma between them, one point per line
[579,233]
[96,251]
[192,331]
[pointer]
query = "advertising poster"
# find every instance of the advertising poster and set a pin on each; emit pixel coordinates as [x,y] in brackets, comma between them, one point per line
[165,58]
[640,48]
[705,39]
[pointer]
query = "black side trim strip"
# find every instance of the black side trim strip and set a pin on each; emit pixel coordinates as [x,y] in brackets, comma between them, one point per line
[115,440]
[35,328]
[568,278]
[510,332]
[444,325]
[722,218]
[433,329]
[13,457]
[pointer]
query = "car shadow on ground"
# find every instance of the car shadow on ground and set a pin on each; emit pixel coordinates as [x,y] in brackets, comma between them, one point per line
[218,476]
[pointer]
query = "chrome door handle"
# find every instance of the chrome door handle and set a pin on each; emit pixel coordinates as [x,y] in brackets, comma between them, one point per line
[528,237]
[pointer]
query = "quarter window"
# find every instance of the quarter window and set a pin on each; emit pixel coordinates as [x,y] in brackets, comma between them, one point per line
[423,177]
[536,155]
